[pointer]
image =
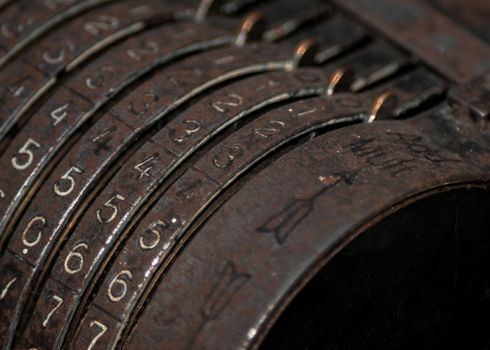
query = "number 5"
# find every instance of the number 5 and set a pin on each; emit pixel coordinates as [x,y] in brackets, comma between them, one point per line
[71,182]
[25,151]
[114,208]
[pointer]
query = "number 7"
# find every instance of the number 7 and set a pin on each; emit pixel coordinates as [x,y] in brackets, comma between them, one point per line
[59,301]
[103,329]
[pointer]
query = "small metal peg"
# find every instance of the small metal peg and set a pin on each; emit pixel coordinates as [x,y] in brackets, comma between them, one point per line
[304,54]
[383,107]
[251,29]
[340,81]
[204,8]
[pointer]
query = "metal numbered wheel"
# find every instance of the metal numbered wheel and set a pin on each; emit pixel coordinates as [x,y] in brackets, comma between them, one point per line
[244,174]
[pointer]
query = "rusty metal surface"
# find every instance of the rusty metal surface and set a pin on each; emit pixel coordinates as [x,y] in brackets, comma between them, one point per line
[63,50]
[169,169]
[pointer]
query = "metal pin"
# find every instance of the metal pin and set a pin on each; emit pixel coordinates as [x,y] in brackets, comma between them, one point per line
[340,81]
[252,28]
[304,54]
[383,107]
[205,7]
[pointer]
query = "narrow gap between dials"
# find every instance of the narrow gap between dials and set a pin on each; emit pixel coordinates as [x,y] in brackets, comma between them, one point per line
[63,76]
[54,23]
[289,146]
[108,176]
[99,186]
[219,201]
[161,189]
[174,175]
[65,147]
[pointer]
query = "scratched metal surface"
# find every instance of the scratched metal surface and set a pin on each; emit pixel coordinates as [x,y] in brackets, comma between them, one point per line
[173,173]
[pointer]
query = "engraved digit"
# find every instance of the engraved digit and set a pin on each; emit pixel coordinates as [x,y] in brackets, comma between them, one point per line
[118,280]
[58,301]
[144,171]
[234,100]
[17,88]
[35,241]
[179,136]
[75,266]
[25,151]
[149,48]
[268,131]
[146,102]
[8,33]
[114,209]
[103,24]
[106,73]
[152,229]
[71,182]
[103,329]
[234,151]
[7,287]
[59,114]
[58,57]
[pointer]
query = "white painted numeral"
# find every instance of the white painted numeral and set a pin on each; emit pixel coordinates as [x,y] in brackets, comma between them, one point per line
[113,208]
[59,114]
[153,229]
[103,329]
[74,260]
[27,153]
[32,242]
[123,285]
[58,301]
[234,100]
[103,24]
[142,170]
[150,48]
[68,178]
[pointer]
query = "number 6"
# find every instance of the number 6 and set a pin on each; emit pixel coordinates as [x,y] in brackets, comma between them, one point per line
[119,281]
[79,259]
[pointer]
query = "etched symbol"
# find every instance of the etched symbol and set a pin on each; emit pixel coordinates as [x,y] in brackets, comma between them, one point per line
[283,223]
[229,283]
